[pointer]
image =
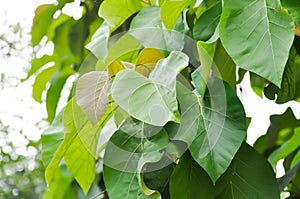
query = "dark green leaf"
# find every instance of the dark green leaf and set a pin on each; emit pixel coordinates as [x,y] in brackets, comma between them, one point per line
[249,176]
[293,7]
[129,149]
[206,24]
[189,180]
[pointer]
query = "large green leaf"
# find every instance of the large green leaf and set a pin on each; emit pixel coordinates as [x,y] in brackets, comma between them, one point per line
[115,12]
[99,43]
[249,176]
[130,88]
[148,28]
[209,123]
[79,159]
[293,7]
[206,25]
[257,34]
[92,92]
[129,149]
[189,180]
[170,11]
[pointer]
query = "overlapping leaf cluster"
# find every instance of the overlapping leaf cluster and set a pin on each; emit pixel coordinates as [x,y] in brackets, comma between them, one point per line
[155,113]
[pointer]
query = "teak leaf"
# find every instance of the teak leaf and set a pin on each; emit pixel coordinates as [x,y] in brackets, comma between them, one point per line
[258,35]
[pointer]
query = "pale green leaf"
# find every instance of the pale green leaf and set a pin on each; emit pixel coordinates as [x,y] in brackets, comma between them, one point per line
[166,70]
[52,137]
[92,92]
[99,43]
[258,35]
[147,27]
[143,99]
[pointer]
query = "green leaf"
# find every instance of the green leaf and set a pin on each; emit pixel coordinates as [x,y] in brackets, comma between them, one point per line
[288,177]
[249,176]
[147,60]
[129,90]
[166,70]
[288,84]
[52,137]
[190,180]
[37,63]
[41,81]
[92,92]
[223,121]
[265,31]
[56,85]
[286,148]
[130,87]
[115,12]
[42,19]
[77,36]
[280,130]
[210,122]
[99,43]
[79,158]
[147,27]
[58,188]
[258,84]
[225,67]
[170,11]
[207,23]
[206,53]
[62,43]
[293,7]
[129,149]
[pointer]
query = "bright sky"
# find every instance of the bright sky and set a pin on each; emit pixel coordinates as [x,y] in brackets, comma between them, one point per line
[17,101]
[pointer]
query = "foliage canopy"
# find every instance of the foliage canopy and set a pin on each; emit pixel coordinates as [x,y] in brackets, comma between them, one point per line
[153,112]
